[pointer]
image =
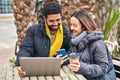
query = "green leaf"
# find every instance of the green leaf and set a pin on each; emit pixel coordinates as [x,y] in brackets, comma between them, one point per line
[13,62]
[113,16]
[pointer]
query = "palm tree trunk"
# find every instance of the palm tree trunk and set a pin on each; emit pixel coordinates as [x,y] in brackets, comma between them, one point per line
[24,17]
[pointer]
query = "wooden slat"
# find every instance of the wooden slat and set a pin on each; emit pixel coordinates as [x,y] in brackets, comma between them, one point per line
[115,62]
[63,75]
[57,78]
[80,77]
[69,73]
[25,78]
[76,76]
[41,78]
[117,71]
[117,78]
[33,78]
[49,78]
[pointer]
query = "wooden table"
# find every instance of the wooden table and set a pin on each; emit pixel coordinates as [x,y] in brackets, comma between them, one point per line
[8,72]
[65,74]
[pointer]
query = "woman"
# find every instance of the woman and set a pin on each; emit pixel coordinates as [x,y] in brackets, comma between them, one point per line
[94,62]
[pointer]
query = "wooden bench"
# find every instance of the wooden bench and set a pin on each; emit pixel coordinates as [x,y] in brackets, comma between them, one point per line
[117,67]
[65,74]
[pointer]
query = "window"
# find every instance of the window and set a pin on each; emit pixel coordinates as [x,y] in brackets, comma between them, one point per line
[5,6]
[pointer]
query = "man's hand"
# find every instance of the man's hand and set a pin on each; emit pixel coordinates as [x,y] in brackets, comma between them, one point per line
[21,72]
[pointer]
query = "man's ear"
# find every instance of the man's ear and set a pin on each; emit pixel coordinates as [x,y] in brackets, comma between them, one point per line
[44,18]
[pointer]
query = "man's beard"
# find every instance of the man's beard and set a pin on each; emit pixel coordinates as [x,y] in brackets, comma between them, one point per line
[51,27]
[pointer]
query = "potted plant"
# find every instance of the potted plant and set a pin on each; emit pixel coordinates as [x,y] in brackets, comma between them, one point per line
[113,16]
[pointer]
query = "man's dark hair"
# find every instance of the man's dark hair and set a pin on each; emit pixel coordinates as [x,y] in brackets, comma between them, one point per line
[51,8]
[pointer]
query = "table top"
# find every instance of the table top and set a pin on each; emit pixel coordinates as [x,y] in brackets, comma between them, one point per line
[65,74]
[9,72]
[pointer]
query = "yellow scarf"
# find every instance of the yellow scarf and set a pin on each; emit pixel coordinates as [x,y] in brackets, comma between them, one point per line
[57,39]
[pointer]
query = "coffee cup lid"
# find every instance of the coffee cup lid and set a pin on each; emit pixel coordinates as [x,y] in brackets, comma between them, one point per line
[73,55]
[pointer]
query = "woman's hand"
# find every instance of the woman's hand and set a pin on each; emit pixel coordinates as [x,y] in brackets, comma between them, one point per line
[21,72]
[74,65]
[64,58]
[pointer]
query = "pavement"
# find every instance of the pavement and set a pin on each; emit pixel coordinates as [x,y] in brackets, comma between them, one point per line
[8,38]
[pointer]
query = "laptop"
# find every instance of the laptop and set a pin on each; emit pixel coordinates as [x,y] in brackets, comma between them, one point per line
[41,66]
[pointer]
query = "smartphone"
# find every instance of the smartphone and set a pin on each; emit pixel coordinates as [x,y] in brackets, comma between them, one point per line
[61,52]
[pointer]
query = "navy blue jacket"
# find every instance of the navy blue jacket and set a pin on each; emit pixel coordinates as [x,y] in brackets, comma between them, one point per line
[37,43]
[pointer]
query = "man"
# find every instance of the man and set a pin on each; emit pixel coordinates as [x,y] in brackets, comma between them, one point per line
[42,40]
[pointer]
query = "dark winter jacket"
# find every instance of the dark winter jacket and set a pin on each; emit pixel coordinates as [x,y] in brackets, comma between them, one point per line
[95,60]
[37,43]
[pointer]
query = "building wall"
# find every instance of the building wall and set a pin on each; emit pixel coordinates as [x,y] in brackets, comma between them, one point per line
[5,6]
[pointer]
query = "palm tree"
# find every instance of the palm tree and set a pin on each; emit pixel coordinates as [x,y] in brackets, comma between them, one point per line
[23,11]
[25,8]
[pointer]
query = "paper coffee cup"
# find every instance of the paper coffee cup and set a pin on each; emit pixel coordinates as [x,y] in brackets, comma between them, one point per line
[73,56]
